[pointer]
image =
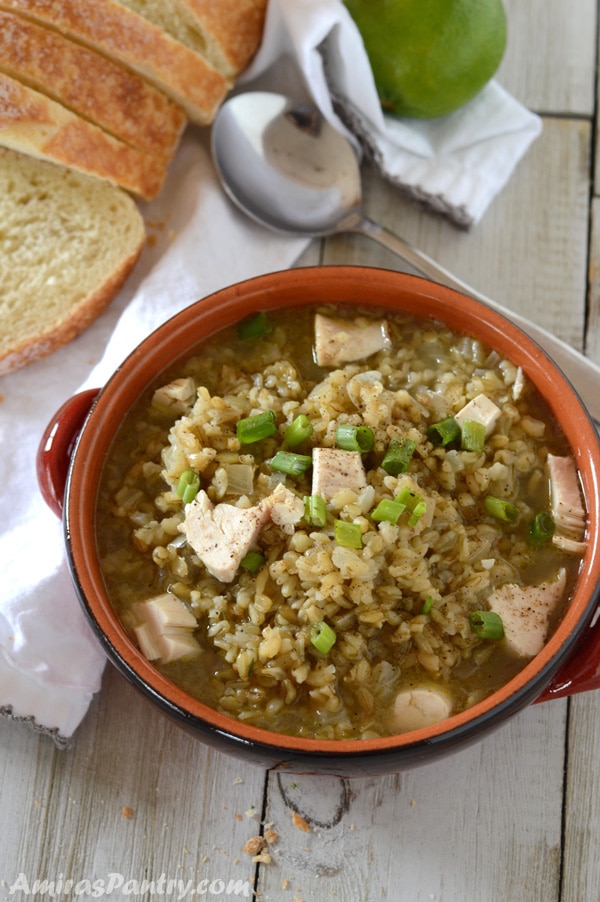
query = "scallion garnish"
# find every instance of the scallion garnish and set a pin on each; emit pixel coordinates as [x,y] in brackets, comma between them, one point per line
[541,529]
[486,625]
[417,512]
[254,326]
[348,535]
[252,561]
[255,428]
[188,486]
[388,510]
[291,464]
[409,498]
[398,456]
[354,438]
[427,605]
[501,509]
[444,432]
[298,431]
[472,436]
[315,512]
[322,636]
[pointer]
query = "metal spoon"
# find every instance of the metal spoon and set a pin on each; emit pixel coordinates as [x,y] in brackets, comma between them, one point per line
[285,166]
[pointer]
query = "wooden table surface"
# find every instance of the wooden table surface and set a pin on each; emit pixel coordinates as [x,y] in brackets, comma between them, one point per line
[515,817]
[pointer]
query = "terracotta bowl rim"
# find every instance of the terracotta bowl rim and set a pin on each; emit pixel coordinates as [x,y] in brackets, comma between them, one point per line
[228,306]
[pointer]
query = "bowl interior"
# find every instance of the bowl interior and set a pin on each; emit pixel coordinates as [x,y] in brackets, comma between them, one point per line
[299,287]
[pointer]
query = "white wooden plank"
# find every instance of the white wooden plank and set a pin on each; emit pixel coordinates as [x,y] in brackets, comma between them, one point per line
[549,62]
[481,824]
[581,874]
[593,325]
[189,806]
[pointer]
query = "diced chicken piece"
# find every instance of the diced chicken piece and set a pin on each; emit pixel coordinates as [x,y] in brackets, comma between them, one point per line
[340,341]
[416,708]
[480,410]
[285,508]
[565,495]
[165,630]
[525,612]
[334,470]
[222,535]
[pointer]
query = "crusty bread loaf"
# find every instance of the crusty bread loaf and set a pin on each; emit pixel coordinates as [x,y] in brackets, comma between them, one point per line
[226,32]
[32,123]
[88,83]
[67,243]
[122,34]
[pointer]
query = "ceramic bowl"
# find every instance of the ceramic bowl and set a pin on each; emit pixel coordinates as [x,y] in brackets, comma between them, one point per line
[76,442]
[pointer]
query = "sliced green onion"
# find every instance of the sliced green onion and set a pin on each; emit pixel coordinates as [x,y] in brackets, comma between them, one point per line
[348,535]
[254,428]
[541,529]
[355,438]
[291,464]
[254,326]
[417,512]
[315,512]
[298,431]
[427,605]
[188,486]
[409,498]
[444,432]
[472,436]
[322,637]
[398,456]
[388,510]
[486,625]
[252,561]
[501,509]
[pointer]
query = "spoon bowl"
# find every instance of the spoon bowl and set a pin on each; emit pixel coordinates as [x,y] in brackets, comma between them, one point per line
[286,167]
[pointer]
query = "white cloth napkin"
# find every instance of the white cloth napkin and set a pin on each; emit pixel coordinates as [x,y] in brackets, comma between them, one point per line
[455,164]
[50,663]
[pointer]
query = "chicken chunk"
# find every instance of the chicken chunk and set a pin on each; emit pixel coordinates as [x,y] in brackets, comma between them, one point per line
[525,612]
[222,535]
[165,629]
[341,341]
[480,410]
[416,708]
[567,504]
[334,470]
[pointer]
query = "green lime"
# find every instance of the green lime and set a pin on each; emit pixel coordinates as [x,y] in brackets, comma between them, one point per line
[430,57]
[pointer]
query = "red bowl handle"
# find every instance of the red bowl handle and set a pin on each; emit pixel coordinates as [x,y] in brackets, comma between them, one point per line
[581,672]
[56,447]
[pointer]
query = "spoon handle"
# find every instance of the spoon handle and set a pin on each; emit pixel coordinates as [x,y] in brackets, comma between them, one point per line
[582,372]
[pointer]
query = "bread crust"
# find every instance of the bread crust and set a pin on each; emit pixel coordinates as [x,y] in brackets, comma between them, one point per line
[233,29]
[100,90]
[32,123]
[123,35]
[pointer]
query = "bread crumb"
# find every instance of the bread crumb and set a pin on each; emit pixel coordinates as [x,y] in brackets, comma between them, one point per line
[238,817]
[237,780]
[285,883]
[127,811]
[412,803]
[254,845]
[263,858]
[251,812]
[299,822]
[271,836]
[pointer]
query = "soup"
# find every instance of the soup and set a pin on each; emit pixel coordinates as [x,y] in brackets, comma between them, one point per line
[340,524]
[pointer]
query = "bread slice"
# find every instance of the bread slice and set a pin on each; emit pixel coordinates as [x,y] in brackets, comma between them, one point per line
[122,34]
[67,243]
[226,32]
[88,83]
[32,123]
